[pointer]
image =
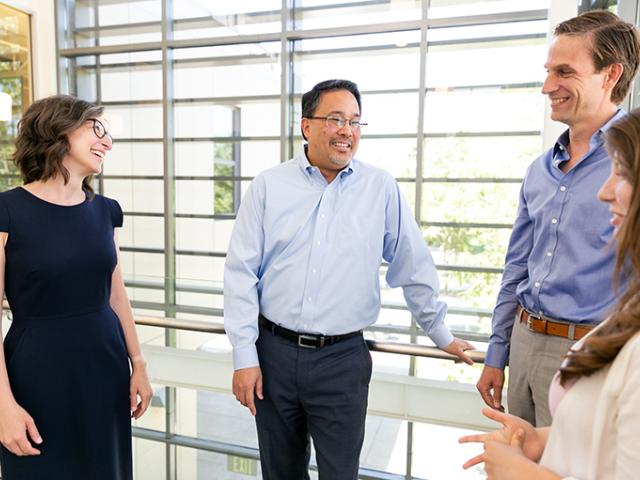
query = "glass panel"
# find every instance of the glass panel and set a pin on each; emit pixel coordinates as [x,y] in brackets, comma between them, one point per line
[359,58]
[390,316]
[395,113]
[441,457]
[15,86]
[199,158]
[86,77]
[395,155]
[484,110]
[131,158]
[480,157]
[472,247]
[139,265]
[469,289]
[142,232]
[461,8]
[131,82]
[229,70]
[214,416]
[385,445]
[470,202]
[116,13]
[203,234]
[205,300]
[192,268]
[149,460]
[136,195]
[331,14]
[202,465]
[215,18]
[115,23]
[135,121]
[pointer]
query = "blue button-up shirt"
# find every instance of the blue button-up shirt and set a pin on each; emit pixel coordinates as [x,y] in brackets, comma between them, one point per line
[306,254]
[560,261]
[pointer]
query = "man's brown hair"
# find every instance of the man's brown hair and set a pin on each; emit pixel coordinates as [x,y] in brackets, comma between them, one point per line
[611,40]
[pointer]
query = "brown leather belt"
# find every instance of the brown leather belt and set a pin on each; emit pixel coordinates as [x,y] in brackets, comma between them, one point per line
[548,326]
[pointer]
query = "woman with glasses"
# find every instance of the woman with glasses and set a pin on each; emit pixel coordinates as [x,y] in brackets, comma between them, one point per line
[71,373]
[595,397]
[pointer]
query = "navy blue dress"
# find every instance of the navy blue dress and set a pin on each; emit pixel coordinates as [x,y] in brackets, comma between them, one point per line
[65,351]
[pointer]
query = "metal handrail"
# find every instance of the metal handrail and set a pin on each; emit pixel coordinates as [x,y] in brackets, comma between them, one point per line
[374,345]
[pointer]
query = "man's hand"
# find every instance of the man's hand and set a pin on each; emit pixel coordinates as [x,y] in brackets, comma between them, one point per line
[457,348]
[245,381]
[490,386]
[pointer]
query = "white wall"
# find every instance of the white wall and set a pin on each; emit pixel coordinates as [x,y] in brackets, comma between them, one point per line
[43,45]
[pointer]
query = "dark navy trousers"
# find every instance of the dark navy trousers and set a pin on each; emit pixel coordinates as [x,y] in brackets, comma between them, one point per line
[312,393]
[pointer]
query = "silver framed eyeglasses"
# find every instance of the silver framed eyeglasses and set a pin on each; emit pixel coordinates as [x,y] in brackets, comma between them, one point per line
[100,130]
[339,122]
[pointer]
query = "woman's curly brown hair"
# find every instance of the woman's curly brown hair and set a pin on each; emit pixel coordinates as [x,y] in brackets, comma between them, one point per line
[42,142]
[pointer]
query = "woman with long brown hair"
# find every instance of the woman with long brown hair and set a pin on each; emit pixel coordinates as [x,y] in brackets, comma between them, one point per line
[595,397]
[71,373]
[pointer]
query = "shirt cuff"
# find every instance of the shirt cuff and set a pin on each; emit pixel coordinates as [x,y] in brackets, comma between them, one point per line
[497,356]
[245,357]
[441,336]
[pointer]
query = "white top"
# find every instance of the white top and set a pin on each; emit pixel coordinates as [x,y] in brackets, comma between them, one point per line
[595,433]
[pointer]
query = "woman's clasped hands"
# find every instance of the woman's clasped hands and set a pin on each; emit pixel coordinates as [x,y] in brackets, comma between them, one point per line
[510,452]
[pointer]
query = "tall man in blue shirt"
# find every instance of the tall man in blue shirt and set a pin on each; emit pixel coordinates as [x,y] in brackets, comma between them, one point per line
[302,281]
[557,278]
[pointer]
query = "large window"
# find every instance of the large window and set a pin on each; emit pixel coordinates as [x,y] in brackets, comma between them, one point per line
[203,95]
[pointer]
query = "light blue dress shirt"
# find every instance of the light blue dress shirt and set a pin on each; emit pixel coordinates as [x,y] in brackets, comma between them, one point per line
[306,254]
[560,259]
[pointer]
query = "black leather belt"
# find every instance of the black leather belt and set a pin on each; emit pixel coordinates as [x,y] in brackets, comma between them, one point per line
[305,340]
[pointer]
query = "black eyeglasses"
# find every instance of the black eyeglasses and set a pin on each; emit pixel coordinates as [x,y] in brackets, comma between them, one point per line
[100,130]
[339,122]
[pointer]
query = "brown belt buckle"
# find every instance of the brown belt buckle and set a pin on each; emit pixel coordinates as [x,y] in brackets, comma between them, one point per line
[530,318]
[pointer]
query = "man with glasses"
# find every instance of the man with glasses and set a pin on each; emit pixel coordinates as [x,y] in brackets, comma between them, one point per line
[557,278]
[302,282]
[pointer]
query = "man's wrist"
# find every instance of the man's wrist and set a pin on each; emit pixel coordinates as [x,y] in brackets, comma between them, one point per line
[497,356]
[245,357]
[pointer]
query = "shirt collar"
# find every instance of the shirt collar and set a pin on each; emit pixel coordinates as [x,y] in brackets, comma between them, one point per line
[560,153]
[308,169]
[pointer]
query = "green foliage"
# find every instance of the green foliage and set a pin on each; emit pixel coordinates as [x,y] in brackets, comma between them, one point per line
[12,86]
[223,189]
[476,203]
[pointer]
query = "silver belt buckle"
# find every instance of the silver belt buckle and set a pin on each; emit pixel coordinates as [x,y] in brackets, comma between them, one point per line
[308,337]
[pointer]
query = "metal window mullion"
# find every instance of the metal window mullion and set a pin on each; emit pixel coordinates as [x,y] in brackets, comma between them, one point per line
[293,34]
[170,336]
[629,10]
[422,84]
[286,81]
[61,42]
[98,74]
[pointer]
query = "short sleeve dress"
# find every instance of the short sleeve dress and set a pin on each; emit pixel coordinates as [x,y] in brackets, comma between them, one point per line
[65,350]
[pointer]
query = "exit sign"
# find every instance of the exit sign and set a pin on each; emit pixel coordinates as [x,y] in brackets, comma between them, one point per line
[246,466]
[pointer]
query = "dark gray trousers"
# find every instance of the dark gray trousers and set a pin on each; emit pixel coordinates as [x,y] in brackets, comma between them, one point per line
[312,393]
